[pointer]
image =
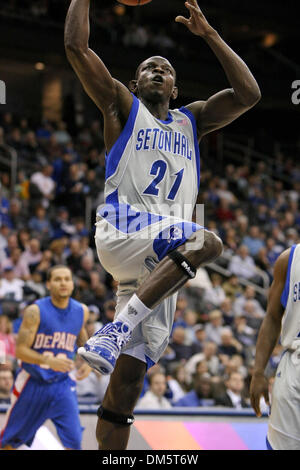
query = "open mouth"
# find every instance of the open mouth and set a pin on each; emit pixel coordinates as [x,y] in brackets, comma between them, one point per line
[158,79]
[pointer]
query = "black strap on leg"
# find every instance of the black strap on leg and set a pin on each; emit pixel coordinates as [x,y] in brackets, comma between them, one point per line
[183,263]
[115,418]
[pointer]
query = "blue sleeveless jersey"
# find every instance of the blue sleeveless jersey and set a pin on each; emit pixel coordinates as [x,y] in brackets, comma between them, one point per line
[56,336]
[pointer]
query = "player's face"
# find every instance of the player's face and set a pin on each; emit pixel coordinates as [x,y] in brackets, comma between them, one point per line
[61,283]
[156,78]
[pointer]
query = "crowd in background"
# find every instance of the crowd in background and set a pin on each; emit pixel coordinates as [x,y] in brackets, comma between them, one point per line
[210,355]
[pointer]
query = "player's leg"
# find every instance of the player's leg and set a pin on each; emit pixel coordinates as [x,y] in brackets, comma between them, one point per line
[172,272]
[126,383]
[26,413]
[65,414]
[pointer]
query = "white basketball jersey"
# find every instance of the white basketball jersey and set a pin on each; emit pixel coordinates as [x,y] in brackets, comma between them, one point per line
[290,299]
[155,164]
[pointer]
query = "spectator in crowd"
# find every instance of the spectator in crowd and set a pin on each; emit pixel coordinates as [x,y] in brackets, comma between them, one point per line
[215,295]
[42,187]
[233,397]
[248,295]
[32,254]
[242,265]
[18,265]
[229,344]
[253,241]
[201,394]
[8,343]
[11,287]
[210,355]
[154,397]
[6,383]
[91,389]
[213,327]
[232,288]
[178,345]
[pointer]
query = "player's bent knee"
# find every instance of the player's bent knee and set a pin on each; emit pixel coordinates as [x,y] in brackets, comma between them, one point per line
[213,242]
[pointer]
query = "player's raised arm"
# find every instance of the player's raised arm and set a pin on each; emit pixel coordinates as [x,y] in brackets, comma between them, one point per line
[26,337]
[111,96]
[225,106]
[269,333]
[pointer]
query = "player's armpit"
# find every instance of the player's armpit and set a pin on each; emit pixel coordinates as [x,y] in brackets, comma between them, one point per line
[29,326]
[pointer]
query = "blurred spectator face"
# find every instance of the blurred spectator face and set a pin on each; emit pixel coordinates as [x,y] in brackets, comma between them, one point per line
[5,325]
[47,170]
[249,292]
[12,242]
[200,335]
[178,335]
[215,317]
[6,381]
[158,384]
[216,280]
[203,385]
[40,212]
[226,304]
[90,327]
[243,251]
[190,317]
[110,310]
[226,337]
[15,255]
[235,383]
[9,274]
[254,232]
[34,246]
[181,303]
[87,263]
[202,367]
[209,349]
[75,247]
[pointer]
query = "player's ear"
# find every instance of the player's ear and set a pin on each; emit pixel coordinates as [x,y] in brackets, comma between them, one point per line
[174,93]
[133,86]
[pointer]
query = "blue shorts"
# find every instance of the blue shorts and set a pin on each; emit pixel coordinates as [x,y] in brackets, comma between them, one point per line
[33,402]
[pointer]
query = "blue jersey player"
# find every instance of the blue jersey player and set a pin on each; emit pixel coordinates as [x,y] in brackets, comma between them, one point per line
[46,342]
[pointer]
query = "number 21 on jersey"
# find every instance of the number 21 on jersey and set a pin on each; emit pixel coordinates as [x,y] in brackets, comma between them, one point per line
[159,170]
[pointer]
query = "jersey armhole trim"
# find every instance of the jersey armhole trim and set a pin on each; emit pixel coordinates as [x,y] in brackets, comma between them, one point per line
[285,292]
[112,159]
[191,117]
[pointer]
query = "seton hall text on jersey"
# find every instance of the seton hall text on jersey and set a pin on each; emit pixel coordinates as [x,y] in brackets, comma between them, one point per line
[167,141]
[59,340]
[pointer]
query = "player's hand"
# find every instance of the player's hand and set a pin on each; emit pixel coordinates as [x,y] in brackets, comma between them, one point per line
[196,23]
[60,364]
[83,371]
[258,388]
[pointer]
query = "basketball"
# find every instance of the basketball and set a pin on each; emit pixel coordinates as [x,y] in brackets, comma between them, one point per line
[134,3]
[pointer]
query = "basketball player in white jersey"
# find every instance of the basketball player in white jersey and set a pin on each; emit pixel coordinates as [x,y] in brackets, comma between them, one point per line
[282,320]
[145,233]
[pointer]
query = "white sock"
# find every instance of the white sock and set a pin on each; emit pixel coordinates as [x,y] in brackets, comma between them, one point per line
[133,312]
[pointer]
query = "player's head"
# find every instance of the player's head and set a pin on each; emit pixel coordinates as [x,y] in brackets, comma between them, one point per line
[155,80]
[60,281]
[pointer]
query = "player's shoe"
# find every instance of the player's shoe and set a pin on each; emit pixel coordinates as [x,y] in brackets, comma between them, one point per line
[102,350]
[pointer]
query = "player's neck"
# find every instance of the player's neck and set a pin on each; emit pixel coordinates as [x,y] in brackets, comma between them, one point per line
[60,302]
[159,110]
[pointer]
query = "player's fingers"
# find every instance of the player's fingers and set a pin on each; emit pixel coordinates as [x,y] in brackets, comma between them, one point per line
[255,404]
[193,8]
[266,397]
[182,19]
